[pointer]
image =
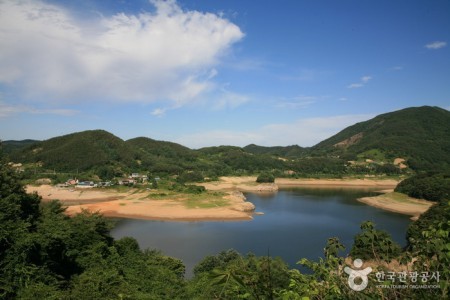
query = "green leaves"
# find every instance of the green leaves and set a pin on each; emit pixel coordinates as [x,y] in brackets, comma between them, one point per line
[265,178]
[374,244]
[227,276]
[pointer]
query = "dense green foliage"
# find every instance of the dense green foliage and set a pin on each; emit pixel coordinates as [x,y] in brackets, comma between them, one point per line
[419,134]
[293,151]
[232,276]
[79,152]
[265,178]
[190,177]
[374,244]
[433,187]
[161,157]
[14,146]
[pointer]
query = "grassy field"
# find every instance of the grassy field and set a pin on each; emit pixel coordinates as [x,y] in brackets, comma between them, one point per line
[206,200]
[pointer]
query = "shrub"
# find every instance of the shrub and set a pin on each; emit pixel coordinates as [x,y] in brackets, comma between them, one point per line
[265,178]
[190,177]
[372,243]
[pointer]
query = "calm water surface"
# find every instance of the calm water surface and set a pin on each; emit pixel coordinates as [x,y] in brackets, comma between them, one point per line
[296,223]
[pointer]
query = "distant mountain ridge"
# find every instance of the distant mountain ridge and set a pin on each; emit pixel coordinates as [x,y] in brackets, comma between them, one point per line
[11,146]
[287,151]
[77,151]
[421,135]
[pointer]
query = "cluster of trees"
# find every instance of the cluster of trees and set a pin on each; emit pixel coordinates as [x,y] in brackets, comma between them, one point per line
[428,186]
[265,178]
[292,152]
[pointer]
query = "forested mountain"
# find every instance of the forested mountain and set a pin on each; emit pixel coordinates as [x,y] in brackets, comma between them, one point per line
[293,151]
[161,156]
[13,146]
[419,134]
[80,151]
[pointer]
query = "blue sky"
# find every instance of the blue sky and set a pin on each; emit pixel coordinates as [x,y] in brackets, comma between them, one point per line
[210,72]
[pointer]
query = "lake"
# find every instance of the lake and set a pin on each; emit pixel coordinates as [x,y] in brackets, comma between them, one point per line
[296,223]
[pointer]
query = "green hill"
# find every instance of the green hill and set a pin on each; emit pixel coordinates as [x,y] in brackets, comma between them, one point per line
[421,135]
[79,151]
[293,151]
[236,159]
[161,156]
[13,146]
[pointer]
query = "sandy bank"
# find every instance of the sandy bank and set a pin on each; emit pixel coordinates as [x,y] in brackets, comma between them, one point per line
[382,183]
[48,192]
[242,184]
[140,204]
[161,210]
[249,184]
[398,203]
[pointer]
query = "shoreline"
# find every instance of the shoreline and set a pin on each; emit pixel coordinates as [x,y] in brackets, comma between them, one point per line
[381,183]
[249,184]
[135,204]
[398,203]
[112,214]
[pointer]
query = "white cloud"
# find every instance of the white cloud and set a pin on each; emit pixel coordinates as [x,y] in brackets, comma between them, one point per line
[304,132]
[363,81]
[228,99]
[7,110]
[366,79]
[396,68]
[306,75]
[298,102]
[436,45]
[159,112]
[168,55]
[355,85]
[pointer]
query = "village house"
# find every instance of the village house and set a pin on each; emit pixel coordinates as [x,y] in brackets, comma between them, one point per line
[126,181]
[86,184]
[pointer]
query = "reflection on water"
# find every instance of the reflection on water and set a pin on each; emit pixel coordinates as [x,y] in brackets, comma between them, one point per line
[296,223]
